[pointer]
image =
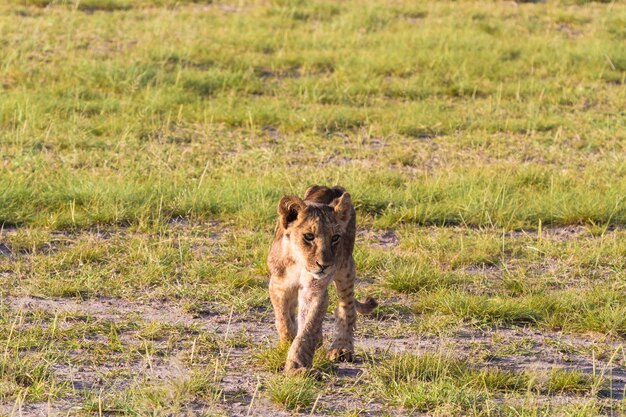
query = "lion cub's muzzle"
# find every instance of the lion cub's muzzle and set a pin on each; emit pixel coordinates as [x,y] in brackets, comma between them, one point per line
[322,268]
[322,271]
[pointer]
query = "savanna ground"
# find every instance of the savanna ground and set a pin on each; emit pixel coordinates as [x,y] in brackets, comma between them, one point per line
[144,146]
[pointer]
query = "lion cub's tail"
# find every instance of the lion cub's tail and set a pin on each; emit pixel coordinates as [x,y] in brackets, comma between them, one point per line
[366,306]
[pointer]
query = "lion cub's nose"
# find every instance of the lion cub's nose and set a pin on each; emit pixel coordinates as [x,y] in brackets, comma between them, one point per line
[322,267]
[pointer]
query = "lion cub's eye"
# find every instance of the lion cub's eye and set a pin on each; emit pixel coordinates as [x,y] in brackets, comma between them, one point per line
[309,237]
[335,238]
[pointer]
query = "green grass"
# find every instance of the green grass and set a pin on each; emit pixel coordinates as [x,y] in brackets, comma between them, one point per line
[292,393]
[30,378]
[155,399]
[415,274]
[426,383]
[560,381]
[273,359]
[534,94]
[440,383]
[496,380]
[144,146]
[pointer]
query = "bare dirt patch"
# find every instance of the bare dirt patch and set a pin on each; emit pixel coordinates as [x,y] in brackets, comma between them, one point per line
[505,348]
[379,238]
[239,336]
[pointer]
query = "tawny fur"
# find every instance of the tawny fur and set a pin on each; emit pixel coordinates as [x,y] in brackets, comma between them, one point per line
[312,248]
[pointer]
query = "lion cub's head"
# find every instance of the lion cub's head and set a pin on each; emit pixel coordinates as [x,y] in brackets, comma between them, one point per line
[314,231]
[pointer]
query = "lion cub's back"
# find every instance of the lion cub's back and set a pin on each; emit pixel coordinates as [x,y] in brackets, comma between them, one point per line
[323,195]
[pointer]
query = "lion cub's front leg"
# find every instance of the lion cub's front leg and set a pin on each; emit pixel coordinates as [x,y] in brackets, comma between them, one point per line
[312,305]
[342,347]
[284,300]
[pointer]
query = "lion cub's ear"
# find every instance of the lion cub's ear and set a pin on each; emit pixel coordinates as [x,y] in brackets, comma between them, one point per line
[343,209]
[289,207]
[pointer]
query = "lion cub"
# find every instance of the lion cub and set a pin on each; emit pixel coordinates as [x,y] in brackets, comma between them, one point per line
[312,248]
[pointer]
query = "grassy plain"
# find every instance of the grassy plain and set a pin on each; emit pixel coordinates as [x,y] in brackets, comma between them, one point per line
[144,146]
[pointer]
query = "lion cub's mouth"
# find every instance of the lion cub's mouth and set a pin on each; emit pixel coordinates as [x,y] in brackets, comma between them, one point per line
[324,273]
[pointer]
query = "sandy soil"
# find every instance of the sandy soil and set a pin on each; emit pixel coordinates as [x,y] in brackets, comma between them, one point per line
[538,350]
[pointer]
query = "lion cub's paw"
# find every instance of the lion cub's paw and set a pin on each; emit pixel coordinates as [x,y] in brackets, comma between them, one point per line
[296,371]
[293,368]
[340,355]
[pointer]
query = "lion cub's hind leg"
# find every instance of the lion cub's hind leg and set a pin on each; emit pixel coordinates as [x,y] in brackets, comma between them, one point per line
[284,301]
